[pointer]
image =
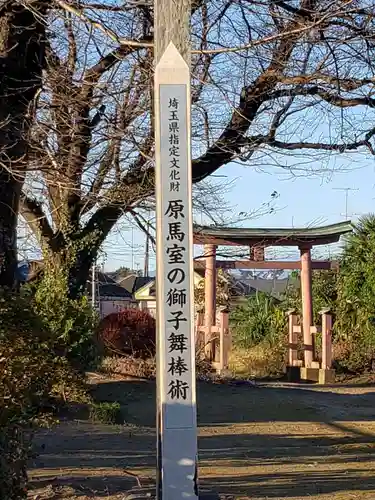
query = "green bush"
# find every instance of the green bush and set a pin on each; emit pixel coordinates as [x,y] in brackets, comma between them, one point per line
[27,376]
[259,335]
[35,378]
[72,322]
[15,450]
[354,355]
[259,320]
[355,322]
[106,412]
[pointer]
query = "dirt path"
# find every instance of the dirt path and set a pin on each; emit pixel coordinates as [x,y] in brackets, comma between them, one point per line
[269,442]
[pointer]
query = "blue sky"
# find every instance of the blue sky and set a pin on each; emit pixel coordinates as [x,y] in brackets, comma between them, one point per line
[304,200]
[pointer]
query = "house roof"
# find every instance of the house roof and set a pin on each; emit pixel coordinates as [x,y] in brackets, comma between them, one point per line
[152,282]
[271,236]
[274,287]
[107,287]
[132,283]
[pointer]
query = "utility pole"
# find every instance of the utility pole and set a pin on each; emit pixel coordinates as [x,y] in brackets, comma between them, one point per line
[132,251]
[147,251]
[93,285]
[347,190]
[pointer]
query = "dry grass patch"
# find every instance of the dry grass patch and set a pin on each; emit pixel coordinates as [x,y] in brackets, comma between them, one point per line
[129,366]
[259,361]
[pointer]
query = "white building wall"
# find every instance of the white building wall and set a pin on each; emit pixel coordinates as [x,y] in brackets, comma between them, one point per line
[150,306]
[108,306]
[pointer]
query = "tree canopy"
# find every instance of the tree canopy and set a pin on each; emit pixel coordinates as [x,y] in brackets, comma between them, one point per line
[357,284]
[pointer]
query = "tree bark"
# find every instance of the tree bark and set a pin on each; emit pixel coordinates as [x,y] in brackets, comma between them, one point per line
[22,35]
[79,273]
[10,190]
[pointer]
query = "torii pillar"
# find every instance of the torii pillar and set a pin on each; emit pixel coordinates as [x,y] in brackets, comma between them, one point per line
[209,299]
[307,305]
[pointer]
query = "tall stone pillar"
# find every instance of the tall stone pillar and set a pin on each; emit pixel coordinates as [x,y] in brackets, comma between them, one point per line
[209,298]
[307,305]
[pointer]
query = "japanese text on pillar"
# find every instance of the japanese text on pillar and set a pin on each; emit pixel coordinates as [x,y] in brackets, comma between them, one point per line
[176,293]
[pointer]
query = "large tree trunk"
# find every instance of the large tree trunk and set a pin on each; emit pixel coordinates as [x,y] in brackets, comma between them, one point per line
[79,273]
[65,263]
[22,35]
[74,253]
[9,195]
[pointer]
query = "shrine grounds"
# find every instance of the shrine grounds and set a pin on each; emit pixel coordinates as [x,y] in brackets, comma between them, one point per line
[269,441]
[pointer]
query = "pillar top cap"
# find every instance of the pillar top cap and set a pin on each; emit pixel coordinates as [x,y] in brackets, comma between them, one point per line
[224,309]
[325,310]
[291,311]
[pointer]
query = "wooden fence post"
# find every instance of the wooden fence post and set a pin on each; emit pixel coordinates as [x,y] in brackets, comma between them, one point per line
[326,339]
[293,337]
[223,341]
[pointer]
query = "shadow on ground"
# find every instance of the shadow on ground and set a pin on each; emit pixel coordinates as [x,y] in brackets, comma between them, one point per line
[267,486]
[279,443]
[225,404]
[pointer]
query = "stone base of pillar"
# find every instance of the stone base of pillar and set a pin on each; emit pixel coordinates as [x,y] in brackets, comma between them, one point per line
[310,374]
[317,375]
[326,376]
[223,372]
[293,373]
[150,494]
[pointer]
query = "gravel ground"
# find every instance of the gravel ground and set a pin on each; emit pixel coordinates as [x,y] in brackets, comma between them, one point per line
[270,441]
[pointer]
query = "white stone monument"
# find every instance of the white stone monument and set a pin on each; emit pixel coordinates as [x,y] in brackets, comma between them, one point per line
[177,427]
[176,391]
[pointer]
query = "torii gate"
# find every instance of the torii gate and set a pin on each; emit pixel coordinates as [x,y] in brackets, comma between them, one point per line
[257,240]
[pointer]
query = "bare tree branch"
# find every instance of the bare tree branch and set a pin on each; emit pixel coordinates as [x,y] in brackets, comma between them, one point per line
[34,215]
[266,75]
[334,99]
